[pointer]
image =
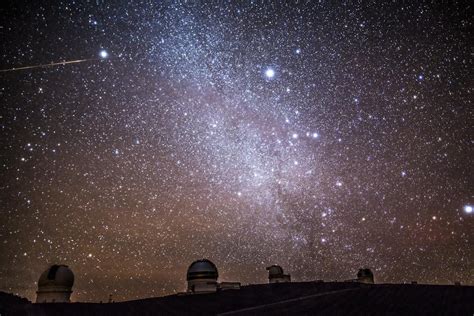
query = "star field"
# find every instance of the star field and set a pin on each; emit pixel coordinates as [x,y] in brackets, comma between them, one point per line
[319,137]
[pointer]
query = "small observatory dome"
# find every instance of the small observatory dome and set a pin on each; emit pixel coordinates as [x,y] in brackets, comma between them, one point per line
[55,285]
[276,274]
[365,276]
[274,270]
[202,276]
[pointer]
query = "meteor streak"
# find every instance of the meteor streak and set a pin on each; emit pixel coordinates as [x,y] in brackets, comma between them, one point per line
[49,65]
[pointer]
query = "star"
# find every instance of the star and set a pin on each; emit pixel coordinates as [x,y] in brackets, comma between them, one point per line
[270,73]
[468,209]
[103,54]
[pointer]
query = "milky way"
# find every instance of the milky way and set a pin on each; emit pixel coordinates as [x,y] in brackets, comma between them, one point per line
[319,137]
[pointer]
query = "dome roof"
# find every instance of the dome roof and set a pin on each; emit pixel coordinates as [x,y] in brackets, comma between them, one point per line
[57,276]
[202,269]
[365,273]
[275,270]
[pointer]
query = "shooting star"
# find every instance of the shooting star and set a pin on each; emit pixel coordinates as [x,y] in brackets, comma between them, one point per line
[103,54]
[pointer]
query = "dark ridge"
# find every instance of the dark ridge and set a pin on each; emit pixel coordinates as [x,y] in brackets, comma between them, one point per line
[298,298]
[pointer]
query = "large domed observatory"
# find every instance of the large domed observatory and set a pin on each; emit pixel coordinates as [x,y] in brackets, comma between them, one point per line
[202,277]
[55,285]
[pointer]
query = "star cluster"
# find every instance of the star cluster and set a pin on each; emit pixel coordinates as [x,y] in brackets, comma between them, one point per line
[320,137]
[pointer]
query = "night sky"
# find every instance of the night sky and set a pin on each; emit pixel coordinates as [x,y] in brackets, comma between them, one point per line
[324,138]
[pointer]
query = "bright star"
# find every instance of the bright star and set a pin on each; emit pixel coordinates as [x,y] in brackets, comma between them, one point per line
[103,54]
[270,73]
[468,209]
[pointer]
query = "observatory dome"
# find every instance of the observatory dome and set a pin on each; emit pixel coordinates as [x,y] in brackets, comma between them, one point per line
[202,269]
[276,274]
[56,276]
[365,275]
[275,270]
[55,285]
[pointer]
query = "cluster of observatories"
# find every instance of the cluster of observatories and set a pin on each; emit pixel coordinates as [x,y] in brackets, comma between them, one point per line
[137,137]
[56,283]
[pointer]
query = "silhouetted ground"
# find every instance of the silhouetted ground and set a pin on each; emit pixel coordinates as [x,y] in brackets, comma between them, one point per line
[304,298]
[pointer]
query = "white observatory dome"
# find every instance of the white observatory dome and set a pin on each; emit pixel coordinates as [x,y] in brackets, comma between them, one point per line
[202,277]
[55,285]
[202,269]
